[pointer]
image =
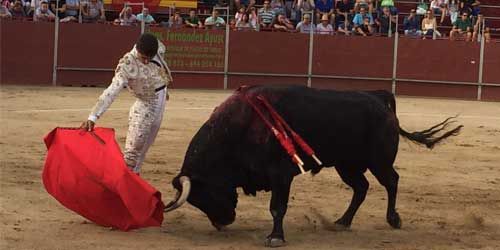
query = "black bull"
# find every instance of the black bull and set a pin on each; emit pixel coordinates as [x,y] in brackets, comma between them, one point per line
[352,131]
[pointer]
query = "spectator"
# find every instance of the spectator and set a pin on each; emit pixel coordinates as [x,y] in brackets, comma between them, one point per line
[345,11]
[345,28]
[148,19]
[127,18]
[266,16]
[4,12]
[72,10]
[43,14]
[367,4]
[214,21]
[478,29]
[243,23]
[240,13]
[389,4]
[242,3]
[17,10]
[360,17]
[59,9]
[324,27]
[386,21]
[325,7]
[282,23]
[34,5]
[470,6]
[93,11]
[364,29]
[453,8]
[462,27]
[232,24]
[440,7]
[305,26]
[253,19]
[193,20]
[411,25]
[429,25]
[301,6]
[175,21]
[278,6]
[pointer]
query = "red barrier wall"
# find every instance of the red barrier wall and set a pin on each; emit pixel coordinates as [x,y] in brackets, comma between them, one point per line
[78,48]
[26,52]
[353,56]
[491,73]
[268,52]
[438,60]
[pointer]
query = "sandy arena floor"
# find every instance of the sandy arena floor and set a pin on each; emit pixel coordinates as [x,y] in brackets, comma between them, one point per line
[448,198]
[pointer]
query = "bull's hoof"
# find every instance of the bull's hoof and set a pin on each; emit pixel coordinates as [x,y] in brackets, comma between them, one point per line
[340,227]
[394,220]
[274,242]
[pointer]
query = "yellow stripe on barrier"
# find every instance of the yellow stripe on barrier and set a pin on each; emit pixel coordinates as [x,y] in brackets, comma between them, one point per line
[179,3]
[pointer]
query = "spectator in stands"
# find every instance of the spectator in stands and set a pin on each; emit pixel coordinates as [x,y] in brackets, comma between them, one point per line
[17,10]
[306,25]
[282,23]
[193,20]
[325,7]
[59,9]
[301,6]
[345,11]
[453,8]
[72,10]
[4,12]
[127,18]
[478,29]
[175,21]
[429,25]
[214,21]
[34,5]
[462,27]
[360,17]
[365,29]
[440,7]
[386,22]
[240,13]
[243,23]
[389,4]
[241,3]
[148,19]
[278,6]
[253,19]
[345,28]
[367,4]
[93,11]
[43,14]
[470,6]
[324,27]
[411,24]
[266,16]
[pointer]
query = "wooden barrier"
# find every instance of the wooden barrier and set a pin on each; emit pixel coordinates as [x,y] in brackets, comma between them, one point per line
[254,58]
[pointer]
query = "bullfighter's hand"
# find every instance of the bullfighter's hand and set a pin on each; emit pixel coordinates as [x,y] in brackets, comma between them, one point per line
[87,125]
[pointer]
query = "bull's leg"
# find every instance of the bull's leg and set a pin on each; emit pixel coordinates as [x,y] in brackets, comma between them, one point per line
[279,203]
[359,184]
[389,179]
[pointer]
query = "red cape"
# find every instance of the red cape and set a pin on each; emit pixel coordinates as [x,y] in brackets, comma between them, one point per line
[86,173]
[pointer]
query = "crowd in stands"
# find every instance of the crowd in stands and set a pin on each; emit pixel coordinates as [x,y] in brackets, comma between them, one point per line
[347,17]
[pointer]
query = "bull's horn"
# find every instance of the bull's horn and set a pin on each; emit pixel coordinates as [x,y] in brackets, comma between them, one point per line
[182,197]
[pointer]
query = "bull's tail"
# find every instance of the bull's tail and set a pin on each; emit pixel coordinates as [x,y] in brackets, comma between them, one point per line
[427,137]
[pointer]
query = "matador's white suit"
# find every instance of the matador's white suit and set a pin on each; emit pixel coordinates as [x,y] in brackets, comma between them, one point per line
[148,83]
